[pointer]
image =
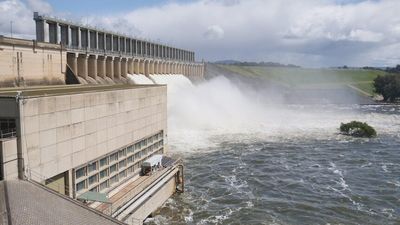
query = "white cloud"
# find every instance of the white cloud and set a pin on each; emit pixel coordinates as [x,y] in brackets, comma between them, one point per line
[307,32]
[17,13]
[40,6]
[214,32]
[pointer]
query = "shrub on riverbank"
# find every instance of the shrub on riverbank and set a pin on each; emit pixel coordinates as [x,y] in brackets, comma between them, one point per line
[357,129]
[388,86]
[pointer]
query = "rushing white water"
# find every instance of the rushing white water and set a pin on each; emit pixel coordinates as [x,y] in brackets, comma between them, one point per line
[249,161]
[220,107]
[175,82]
[139,79]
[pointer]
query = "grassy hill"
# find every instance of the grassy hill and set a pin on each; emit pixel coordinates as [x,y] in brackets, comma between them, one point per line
[357,79]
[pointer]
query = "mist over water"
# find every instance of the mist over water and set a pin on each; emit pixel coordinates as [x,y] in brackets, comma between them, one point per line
[251,158]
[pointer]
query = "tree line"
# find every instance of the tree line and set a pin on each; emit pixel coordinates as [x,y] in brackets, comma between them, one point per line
[388,85]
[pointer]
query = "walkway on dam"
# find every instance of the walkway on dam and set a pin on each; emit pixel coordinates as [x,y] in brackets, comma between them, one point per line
[131,189]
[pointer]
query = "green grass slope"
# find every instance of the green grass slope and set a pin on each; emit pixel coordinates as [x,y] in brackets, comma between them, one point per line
[358,79]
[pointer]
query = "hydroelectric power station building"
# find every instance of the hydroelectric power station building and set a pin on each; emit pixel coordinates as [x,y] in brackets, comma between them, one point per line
[75,127]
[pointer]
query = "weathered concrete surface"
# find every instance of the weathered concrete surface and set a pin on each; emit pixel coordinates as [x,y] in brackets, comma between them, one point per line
[24,62]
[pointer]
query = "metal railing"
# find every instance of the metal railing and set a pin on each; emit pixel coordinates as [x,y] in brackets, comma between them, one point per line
[8,133]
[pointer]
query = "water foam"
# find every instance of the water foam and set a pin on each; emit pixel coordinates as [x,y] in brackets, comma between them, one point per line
[139,79]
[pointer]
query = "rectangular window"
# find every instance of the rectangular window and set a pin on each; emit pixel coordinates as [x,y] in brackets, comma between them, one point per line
[93,179]
[103,161]
[130,149]
[122,175]
[122,153]
[80,172]
[81,185]
[131,159]
[103,173]
[114,157]
[104,185]
[95,189]
[113,168]
[122,164]
[113,179]
[131,169]
[92,167]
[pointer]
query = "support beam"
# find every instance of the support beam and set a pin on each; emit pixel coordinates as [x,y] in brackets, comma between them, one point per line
[117,68]
[92,66]
[136,66]
[110,67]
[72,61]
[146,67]
[101,66]
[124,67]
[130,66]
[83,66]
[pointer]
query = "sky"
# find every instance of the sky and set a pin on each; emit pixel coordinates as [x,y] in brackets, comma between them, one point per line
[310,33]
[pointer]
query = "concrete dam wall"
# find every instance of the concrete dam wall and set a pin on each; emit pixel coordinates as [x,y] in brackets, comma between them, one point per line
[68,53]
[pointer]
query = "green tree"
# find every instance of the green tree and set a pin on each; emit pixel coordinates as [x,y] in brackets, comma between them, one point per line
[388,86]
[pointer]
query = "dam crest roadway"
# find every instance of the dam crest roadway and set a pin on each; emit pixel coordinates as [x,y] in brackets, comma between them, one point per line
[100,57]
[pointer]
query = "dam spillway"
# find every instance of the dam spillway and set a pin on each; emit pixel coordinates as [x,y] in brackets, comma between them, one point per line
[69,53]
[97,112]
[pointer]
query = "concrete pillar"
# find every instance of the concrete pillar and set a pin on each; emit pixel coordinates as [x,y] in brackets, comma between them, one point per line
[97,40]
[130,65]
[155,70]
[79,38]
[88,39]
[146,67]
[110,67]
[58,33]
[72,61]
[151,69]
[69,36]
[40,30]
[124,67]
[136,69]
[117,68]
[101,66]
[92,66]
[83,66]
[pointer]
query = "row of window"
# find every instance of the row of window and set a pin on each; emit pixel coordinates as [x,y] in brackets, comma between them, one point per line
[116,164]
[113,157]
[104,184]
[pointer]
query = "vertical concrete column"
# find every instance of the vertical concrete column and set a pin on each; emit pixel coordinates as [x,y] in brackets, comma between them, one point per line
[146,67]
[92,66]
[40,30]
[96,33]
[152,66]
[58,33]
[136,66]
[88,39]
[83,66]
[69,35]
[46,32]
[112,42]
[72,61]
[101,66]
[79,38]
[124,67]
[110,67]
[155,69]
[117,68]
[105,42]
[130,65]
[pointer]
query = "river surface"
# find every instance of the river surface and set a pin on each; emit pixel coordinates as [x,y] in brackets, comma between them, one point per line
[251,163]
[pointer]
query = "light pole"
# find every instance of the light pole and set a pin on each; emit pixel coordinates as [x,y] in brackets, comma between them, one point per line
[11,28]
